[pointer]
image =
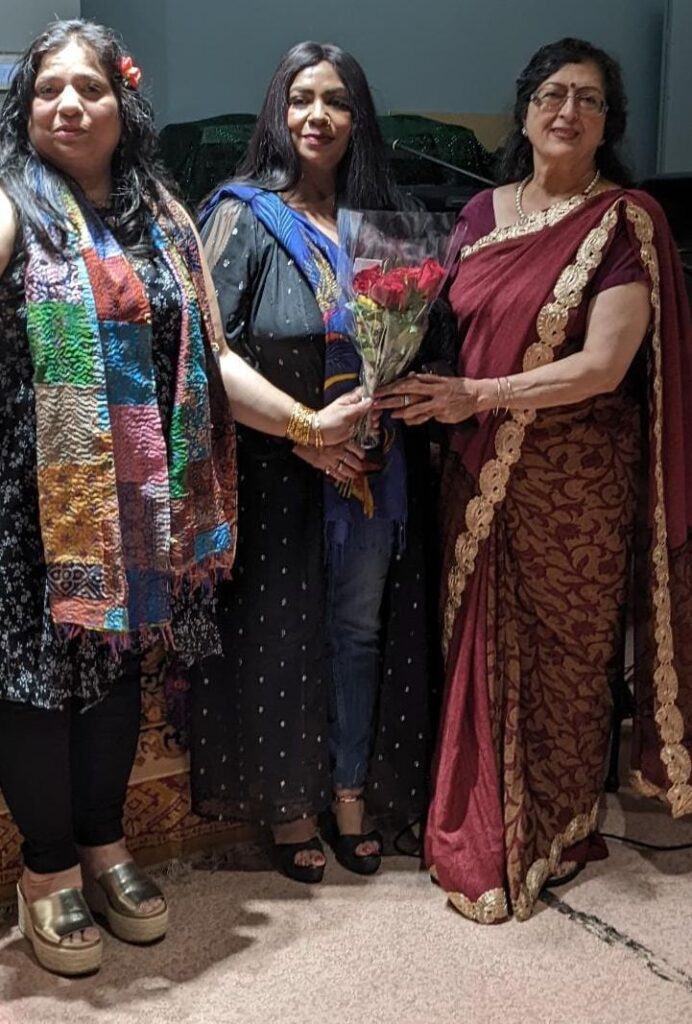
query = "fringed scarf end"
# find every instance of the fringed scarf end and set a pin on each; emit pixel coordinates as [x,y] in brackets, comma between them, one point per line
[204,575]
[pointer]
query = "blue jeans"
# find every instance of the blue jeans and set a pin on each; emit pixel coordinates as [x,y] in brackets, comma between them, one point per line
[357,575]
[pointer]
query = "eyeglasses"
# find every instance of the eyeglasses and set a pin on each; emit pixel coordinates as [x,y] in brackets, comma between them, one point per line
[552,98]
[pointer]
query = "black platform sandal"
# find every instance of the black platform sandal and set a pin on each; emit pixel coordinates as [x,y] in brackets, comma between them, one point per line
[284,857]
[345,846]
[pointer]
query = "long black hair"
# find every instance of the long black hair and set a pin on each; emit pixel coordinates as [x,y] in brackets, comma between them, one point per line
[517,160]
[136,172]
[272,163]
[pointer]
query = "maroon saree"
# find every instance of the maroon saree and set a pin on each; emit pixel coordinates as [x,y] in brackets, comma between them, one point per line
[541,514]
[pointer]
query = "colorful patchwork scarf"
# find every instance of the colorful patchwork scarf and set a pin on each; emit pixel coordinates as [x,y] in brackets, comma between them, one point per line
[126,513]
[382,494]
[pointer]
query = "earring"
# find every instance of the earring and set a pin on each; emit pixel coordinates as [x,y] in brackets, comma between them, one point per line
[524,131]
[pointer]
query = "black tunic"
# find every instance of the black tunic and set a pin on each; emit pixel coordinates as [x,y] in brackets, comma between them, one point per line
[259,722]
[37,665]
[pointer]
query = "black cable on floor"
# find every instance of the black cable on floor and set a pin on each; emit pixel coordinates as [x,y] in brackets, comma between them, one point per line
[646,846]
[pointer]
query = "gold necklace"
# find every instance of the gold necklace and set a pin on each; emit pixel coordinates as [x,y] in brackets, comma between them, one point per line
[519,192]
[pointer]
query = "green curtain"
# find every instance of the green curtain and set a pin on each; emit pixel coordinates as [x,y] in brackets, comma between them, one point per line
[200,154]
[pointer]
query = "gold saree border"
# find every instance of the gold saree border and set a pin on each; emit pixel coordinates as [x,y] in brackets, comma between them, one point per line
[542,869]
[492,906]
[528,225]
[551,328]
[674,755]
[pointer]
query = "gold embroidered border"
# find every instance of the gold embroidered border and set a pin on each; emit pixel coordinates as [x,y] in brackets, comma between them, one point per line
[674,755]
[527,226]
[644,787]
[551,326]
[544,868]
[492,906]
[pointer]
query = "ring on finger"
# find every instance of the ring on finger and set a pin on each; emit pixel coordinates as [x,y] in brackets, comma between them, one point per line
[407,399]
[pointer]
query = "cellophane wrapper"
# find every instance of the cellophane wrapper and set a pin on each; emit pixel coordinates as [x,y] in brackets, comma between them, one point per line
[392,266]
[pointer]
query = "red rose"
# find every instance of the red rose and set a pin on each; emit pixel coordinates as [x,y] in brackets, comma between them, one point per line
[391,291]
[402,274]
[429,278]
[365,279]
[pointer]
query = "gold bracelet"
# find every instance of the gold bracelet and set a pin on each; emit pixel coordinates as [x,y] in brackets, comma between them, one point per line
[317,431]
[498,398]
[303,427]
[299,424]
[510,394]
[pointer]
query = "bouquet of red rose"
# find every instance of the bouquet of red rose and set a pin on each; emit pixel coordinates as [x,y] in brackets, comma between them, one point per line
[392,267]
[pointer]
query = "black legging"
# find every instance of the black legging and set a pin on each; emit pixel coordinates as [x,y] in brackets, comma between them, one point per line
[64,773]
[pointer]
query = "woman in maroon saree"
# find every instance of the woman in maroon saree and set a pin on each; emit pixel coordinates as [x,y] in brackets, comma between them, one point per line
[583,470]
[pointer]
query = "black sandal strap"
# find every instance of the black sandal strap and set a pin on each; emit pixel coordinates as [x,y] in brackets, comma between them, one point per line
[285,854]
[350,843]
[293,848]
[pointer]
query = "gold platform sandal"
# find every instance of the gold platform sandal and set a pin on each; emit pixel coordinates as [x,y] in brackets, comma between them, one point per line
[118,894]
[52,918]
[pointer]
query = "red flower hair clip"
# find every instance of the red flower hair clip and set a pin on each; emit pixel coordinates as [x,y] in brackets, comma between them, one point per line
[130,72]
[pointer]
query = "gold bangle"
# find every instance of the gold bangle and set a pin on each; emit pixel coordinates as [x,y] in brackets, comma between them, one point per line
[298,427]
[317,430]
[510,394]
[498,399]
[303,427]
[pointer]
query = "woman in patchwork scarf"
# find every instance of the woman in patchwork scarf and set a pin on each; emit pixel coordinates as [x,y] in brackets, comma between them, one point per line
[117,472]
[322,694]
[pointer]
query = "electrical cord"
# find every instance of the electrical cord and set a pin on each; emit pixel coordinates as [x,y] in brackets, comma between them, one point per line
[646,846]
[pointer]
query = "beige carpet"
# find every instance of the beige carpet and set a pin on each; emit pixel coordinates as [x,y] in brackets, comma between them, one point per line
[251,947]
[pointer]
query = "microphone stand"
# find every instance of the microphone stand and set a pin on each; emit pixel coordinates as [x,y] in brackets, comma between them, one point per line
[397,145]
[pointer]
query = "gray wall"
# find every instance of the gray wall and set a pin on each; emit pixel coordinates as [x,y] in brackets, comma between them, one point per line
[22,21]
[205,57]
[143,26]
[675,139]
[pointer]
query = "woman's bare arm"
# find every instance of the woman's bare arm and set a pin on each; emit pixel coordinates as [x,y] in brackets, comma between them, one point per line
[259,404]
[8,231]
[618,319]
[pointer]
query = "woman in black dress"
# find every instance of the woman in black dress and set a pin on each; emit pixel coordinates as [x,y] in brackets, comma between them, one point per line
[323,685]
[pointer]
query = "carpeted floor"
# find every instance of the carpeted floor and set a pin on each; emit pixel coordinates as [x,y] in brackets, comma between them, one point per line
[250,947]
